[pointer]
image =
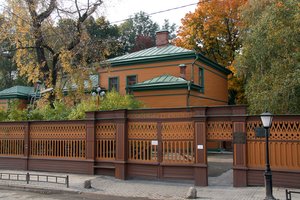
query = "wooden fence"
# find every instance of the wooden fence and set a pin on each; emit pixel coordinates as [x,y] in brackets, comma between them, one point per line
[155,144]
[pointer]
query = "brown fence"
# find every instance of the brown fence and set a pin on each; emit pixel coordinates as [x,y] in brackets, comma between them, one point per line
[156,144]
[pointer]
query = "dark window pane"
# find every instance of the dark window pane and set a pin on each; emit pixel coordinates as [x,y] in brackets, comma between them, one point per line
[113,83]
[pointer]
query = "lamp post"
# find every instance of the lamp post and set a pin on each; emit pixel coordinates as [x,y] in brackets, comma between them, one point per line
[98,94]
[266,119]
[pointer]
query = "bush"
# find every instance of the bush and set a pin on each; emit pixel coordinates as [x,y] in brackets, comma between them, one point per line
[113,101]
[79,111]
[14,113]
[3,115]
[60,111]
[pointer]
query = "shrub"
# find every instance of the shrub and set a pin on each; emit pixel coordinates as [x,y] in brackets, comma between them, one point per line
[3,115]
[79,111]
[114,100]
[14,113]
[59,111]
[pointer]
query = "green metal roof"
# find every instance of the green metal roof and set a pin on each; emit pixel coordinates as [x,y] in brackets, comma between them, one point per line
[152,54]
[94,80]
[164,53]
[21,92]
[163,82]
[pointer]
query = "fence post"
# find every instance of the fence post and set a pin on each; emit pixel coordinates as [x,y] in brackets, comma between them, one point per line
[67,181]
[26,143]
[90,140]
[200,171]
[27,178]
[159,149]
[121,144]
[240,147]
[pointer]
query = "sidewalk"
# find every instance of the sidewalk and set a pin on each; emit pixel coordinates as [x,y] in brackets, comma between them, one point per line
[149,189]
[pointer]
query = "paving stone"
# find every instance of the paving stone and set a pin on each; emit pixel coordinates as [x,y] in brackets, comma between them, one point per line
[150,189]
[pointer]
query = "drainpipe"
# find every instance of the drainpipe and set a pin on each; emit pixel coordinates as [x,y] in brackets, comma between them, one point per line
[192,68]
[188,94]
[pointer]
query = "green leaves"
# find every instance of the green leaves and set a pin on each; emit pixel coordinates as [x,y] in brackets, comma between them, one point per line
[113,101]
[270,59]
[61,111]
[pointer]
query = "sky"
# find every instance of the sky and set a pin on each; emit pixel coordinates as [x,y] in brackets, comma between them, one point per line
[116,10]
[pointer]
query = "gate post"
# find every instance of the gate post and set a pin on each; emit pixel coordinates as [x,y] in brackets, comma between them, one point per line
[200,170]
[26,143]
[90,140]
[121,145]
[240,148]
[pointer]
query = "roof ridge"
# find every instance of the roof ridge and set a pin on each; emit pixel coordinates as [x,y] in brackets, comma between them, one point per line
[152,52]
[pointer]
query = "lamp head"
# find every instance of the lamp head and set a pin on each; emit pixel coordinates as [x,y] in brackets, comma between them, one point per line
[102,94]
[266,119]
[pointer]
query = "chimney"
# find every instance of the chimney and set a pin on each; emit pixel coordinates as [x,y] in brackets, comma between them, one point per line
[162,38]
[182,71]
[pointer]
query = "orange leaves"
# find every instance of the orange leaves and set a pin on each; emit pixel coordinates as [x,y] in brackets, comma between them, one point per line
[212,29]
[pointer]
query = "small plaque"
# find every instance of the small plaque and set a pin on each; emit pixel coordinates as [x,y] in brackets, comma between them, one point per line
[154,142]
[239,138]
[199,146]
[260,132]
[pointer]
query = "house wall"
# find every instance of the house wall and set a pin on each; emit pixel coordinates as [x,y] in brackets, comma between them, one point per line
[162,98]
[143,71]
[3,104]
[215,83]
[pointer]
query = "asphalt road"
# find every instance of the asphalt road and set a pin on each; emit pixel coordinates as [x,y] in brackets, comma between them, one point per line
[219,163]
[22,194]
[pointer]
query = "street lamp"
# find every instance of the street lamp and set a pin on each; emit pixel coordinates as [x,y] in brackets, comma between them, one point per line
[266,119]
[98,94]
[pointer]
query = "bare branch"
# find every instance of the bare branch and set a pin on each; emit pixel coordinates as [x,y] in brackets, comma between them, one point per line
[78,11]
[41,17]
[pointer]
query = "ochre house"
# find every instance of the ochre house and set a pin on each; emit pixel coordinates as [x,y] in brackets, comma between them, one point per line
[166,76]
[22,94]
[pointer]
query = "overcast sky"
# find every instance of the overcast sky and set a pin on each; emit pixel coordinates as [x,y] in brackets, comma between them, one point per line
[117,10]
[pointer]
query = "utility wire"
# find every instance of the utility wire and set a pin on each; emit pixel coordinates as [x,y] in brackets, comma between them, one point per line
[158,12]
[55,35]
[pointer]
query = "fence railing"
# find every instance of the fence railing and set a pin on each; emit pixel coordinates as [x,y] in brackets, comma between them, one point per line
[168,138]
[284,145]
[288,194]
[28,177]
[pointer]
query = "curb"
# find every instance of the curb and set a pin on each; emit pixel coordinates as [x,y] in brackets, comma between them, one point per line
[38,190]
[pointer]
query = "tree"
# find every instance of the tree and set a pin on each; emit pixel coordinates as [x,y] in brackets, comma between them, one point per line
[104,36]
[139,32]
[8,69]
[139,26]
[270,57]
[213,30]
[43,52]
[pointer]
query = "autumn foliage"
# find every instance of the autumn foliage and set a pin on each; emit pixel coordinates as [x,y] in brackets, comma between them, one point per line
[213,30]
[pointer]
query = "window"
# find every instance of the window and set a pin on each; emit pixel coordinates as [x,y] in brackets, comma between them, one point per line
[130,80]
[113,82]
[201,79]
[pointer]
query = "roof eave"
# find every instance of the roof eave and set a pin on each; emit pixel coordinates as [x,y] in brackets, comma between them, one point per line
[178,56]
[213,64]
[14,96]
[164,87]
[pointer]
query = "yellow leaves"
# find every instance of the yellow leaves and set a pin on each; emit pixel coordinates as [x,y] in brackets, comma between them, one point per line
[65,59]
